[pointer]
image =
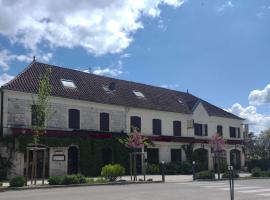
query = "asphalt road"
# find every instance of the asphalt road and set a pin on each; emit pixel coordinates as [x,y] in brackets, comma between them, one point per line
[245,190]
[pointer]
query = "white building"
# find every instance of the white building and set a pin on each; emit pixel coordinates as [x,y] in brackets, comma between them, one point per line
[102,107]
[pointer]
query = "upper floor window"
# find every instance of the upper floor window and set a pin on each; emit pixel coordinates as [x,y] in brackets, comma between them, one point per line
[201,129]
[37,116]
[135,122]
[156,127]
[104,122]
[139,94]
[220,130]
[176,128]
[235,132]
[74,119]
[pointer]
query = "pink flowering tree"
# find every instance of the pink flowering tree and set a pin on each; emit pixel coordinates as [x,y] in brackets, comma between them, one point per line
[218,145]
[134,142]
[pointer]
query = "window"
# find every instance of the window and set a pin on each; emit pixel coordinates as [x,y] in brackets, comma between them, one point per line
[232,132]
[153,156]
[176,155]
[220,130]
[37,116]
[135,122]
[156,127]
[235,132]
[73,119]
[180,101]
[138,94]
[176,128]
[68,83]
[104,122]
[201,129]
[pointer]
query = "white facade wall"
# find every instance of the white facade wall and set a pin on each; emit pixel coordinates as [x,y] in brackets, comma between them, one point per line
[17,111]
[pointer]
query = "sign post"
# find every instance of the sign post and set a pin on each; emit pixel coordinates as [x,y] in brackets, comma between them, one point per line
[231,180]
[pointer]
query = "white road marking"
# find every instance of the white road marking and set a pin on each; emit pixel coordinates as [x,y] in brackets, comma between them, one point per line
[265,194]
[255,191]
[243,188]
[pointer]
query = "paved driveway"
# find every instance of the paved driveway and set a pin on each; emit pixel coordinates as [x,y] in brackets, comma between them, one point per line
[245,190]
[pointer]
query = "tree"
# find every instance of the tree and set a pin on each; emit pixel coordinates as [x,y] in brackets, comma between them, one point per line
[134,142]
[40,114]
[258,146]
[41,107]
[188,149]
[217,145]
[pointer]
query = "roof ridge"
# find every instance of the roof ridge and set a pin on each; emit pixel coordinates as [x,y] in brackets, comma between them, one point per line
[117,79]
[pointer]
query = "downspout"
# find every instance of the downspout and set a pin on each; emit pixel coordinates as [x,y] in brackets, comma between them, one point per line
[1,114]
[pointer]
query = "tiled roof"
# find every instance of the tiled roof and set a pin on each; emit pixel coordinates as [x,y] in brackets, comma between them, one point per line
[90,87]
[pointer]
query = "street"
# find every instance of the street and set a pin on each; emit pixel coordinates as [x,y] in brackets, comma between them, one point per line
[244,190]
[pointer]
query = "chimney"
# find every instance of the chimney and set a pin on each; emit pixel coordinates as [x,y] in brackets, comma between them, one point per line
[187,91]
[34,58]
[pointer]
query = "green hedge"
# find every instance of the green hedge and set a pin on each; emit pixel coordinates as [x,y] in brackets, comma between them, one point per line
[18,181]
[205,175]
[257,172]
[67,179]
[112,172]
[153,169]
[263,164]
[90,150]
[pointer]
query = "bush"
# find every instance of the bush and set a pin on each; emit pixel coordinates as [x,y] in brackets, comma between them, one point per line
[112,171]
[185,168]
[55,180]
[205,175]
[256,172]
[81,178]
[153,169]
[70,179]
[263,164]
[227,175]
[18,181]
[172,168]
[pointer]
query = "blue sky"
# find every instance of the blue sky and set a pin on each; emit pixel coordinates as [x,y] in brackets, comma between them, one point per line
[217,49]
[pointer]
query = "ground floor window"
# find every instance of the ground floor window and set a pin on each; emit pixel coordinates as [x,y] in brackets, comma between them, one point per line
[153,156]
[176,155]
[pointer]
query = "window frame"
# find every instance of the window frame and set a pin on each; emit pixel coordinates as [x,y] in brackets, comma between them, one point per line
[70,123]
[102,126]
[156,126]
[134,117]
[176,132]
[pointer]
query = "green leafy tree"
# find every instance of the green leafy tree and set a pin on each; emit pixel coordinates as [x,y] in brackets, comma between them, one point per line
[41,106]
[188,149]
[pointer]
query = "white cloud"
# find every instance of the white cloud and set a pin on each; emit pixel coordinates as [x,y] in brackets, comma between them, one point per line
[259,97]
[257,121]
[4,78]
[6,57]
[226,5]
[170,86]
[125,55]
[113,70]
[99,26]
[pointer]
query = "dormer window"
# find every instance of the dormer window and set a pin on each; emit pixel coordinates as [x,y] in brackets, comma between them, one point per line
[110,88]
[68,83]
[138,94]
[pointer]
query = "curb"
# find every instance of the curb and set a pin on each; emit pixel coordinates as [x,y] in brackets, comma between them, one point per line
[241,178]
[5,189]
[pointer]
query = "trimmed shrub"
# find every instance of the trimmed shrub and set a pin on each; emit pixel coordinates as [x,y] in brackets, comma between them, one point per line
[185,168]
[112,171]
[263,164]
[227,175]
[153,169]
[18,181]
[205,175]
[55,180]
[70,179]
[81,178]
[256,172]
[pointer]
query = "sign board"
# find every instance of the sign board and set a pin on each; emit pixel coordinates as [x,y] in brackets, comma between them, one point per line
[58,158]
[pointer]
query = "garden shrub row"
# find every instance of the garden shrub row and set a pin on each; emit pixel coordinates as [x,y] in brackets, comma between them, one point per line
[18,181]
[257,172]
[171,168]
[67,179]
[205,175]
